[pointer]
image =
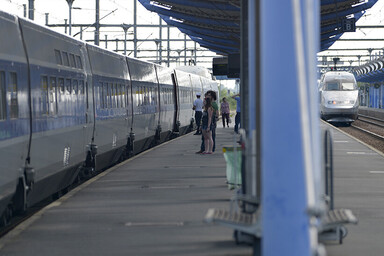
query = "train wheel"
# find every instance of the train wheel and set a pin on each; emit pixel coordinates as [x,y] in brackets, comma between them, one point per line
[6,216]
[3,220]
[19,200]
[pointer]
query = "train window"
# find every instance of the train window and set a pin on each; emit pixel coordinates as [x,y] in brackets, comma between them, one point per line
[75,87]
[12,90]
[348,86]
[79,64]
[116,96]
[124,97]
[68,86]
[108,95]
[332,86]
[121,97]
[72,60]
[65,59]
[139,94]
[44,95]
[146,97]
[81,87]
[59,60]
[52,96]
[3,110]
[101,95]
[150,99]
[113,96]
[61,85]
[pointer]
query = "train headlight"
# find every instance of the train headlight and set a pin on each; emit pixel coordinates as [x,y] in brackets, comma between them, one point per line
[332,102]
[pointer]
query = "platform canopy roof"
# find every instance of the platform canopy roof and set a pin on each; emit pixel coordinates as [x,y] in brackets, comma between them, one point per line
[215,24]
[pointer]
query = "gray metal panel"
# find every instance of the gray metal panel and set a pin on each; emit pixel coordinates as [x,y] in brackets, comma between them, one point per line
[141,70]
[11,47]
[107,63]
[41,43]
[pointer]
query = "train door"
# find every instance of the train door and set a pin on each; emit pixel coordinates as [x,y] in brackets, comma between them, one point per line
[176,103]
[89,111]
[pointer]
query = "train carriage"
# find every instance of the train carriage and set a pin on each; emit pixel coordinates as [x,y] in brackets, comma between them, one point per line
[112,100]
[145,105]
[58,76]
[167,99]
[14,110]
[69,109]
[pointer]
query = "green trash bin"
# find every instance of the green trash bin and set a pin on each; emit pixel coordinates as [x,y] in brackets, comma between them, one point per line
[232,156]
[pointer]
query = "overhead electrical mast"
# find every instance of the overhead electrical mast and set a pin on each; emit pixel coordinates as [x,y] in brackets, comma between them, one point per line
[70,2]
[31,9]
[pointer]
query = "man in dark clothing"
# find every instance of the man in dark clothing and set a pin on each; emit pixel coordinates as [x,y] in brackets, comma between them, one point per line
[198,107]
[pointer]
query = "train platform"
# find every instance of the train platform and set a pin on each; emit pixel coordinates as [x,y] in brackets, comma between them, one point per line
[372,112]
[154,204]
[359,186]
[151,204]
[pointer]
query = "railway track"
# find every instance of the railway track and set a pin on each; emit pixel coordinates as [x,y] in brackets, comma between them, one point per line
[377,136]
[369,130]
[371,120]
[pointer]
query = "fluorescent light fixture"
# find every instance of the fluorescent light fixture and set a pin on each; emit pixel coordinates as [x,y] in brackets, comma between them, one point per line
[363,2]
[177,20]
[161,5]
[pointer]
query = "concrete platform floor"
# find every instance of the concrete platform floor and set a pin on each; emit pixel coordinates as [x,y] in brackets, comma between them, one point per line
[359,186]
[152,204]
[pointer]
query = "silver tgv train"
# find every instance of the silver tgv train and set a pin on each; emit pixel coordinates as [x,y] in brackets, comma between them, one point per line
[69,109]
[339,97]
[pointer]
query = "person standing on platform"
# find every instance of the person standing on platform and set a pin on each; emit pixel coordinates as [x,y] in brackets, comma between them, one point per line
[238,114]
[207,126]
[198,107]
[224,108]
[212,96]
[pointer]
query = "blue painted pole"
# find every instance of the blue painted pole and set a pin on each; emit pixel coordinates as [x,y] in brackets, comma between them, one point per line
[289,130]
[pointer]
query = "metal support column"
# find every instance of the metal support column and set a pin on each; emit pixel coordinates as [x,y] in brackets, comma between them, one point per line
[290,153]
[135,28]
[46,18]
[97,23]
[125,28]
[65,26]
[168,46]
[244,88]
[161,41]
[70,3]
[185,50]
[31,9]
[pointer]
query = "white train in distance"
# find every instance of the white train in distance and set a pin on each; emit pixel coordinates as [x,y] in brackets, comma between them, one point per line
[339,97]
